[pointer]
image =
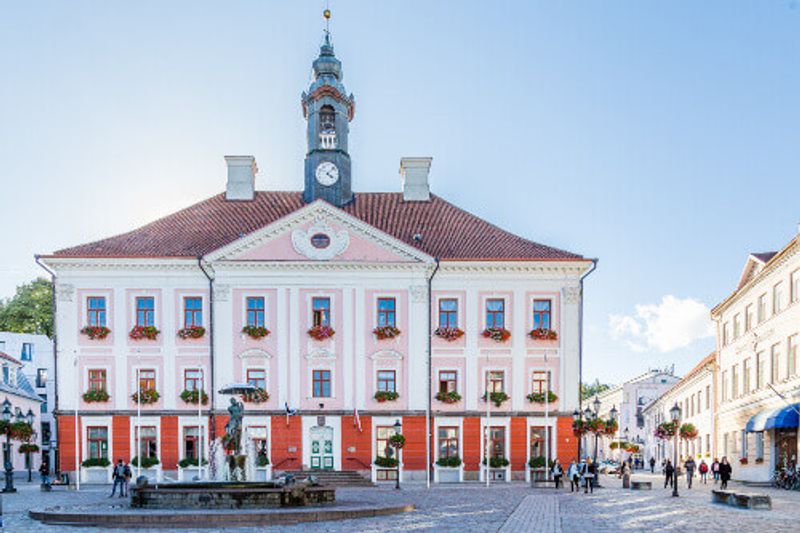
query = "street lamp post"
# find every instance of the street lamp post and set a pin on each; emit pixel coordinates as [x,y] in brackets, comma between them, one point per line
[8,467]
[397,431]
[596,436]
[626,435]
[576,415]
[675,413]
[30,418]
[613,414]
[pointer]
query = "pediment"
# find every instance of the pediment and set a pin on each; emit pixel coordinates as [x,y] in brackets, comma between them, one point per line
[386,355]
[254,353]
[320,353]
[320,232]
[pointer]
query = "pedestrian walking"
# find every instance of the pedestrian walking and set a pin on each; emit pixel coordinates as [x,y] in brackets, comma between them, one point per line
[690,467]
[588,472]
[574,475]
[703,469]
[558,472]
[118,475]
[127,475]
[669,471]
[725,471]
[652,465]
[44,473]
[715,470]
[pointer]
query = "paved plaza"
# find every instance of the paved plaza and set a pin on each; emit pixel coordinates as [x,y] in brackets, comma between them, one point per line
[503,507]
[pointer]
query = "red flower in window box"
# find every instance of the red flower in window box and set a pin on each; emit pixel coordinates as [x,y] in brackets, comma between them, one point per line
[255,332]
[539,397]
[742,460]
[448,334]
[321,333]
[542,334]
[144,332]
[192,332]
[257,396]
[194,396]
[448,397]
[386,396]
[386,332]
[145,396]
[497,334]
[96,332]
[96,396]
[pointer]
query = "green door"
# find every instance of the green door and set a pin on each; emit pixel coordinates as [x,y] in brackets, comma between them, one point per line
[322,448]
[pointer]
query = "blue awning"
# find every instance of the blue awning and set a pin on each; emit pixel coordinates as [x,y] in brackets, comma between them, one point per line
[785,417]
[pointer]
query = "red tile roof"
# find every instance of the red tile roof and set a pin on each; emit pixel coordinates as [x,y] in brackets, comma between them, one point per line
[448,232]
[7,357]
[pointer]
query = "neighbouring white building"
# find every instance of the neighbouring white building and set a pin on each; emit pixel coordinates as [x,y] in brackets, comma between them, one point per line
[694,394]
[759,385]
[35,353]
[629,399]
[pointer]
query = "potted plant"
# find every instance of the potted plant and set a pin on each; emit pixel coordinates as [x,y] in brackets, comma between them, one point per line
[386,462]
[96,396]
[497,334]
[257,396]
[497,397]
[191,332]
[96,470]
[150,467]
[145,396]
[543,334]
[742,460]
[194,396]
[448,470]
[579,427]
[320,333]
[386,332]
[386,396]
[688,431]
[96,332]
[397,441]
[144,332]
[448,397]
[188,469]
[255,332]
[666,430]
[448,334]
[540,397]
[596,426]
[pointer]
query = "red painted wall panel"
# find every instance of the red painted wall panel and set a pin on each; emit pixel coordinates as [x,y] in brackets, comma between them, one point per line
[169,442]
[567,442]
[283,438]
[472,443]
[413,453]
[361,458]
[519,443]
[121,438]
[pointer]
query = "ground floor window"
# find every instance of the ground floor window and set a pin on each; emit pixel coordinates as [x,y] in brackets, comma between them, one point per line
[759,445]
[382,434]
[386,475]
[448,442]
[785,447]
[97,442]
[191,436]
[538,436]
[148,441]
[258,434]
[497,441]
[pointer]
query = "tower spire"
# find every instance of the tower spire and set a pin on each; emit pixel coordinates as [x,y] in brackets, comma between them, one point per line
[327,15]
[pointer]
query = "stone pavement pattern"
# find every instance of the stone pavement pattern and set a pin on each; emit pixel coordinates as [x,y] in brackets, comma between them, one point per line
[503,507]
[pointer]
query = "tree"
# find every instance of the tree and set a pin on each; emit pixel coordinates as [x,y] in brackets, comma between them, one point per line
[593,389]
[30,310]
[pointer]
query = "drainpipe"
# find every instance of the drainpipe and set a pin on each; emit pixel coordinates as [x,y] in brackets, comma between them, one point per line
[53,431]
[430,379]
[580,347]
[211,426]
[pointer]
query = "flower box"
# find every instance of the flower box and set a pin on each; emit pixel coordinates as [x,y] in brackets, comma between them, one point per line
[320,333]
[386,462]
[497,334]
[499,469]
[257,396]
[194,396]
[255,332]
[96,396]
[146,396]
[96,332]
[448,470]
[542,334]
[96,471]
[448,334]
[386,396]
[497,398]
[192,332]
[144,332]
[742,460]
[448,397]
[386,332]
[539,397]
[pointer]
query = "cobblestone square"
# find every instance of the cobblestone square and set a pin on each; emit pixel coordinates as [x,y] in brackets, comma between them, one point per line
[502,507]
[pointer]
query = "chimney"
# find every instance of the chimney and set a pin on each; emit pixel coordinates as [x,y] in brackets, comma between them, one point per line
[414,173]
[241,177]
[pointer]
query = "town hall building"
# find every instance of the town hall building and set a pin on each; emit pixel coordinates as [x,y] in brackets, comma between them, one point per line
[355,315]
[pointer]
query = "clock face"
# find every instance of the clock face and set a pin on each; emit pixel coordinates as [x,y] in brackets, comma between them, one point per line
[327,173]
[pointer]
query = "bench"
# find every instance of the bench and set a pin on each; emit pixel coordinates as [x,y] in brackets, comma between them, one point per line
[742,500]
[641,485]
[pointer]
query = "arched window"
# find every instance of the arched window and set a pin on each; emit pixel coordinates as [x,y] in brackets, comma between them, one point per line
[327,119]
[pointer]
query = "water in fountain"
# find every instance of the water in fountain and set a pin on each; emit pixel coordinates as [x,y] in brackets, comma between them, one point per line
[250,461]
[219,464]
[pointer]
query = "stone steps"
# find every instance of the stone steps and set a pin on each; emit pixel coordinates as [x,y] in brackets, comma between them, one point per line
[338,478]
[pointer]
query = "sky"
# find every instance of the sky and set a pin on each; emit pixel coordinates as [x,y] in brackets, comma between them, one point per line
[659,137]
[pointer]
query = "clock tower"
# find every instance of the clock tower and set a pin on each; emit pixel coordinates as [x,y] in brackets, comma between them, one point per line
[328,110]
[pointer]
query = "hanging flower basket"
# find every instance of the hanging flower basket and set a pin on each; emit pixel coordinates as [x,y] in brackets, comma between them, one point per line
[386,462]
[386,396]
[688,431]
[596,425]
[144,332]
[16,430]
[448,397]
[96,332]
[145,396]
[540,397]
[666,430]
[633,448]
[742,460]
[96,396]
[448,334]
[611,427]
[257,396]
[386,332]
[497,334]
[192,332]
[397,441]
[614,445]
[193,396]
[579,428]
[542,334]
[255,332]
[497,398]
[321,333]
[28,447]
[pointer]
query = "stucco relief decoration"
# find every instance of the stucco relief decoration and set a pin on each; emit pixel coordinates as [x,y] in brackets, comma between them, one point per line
[222,292]
[384,355]
[572,295]
[320,241]
[320,353]
[65,291]
[419,293]
[254,353]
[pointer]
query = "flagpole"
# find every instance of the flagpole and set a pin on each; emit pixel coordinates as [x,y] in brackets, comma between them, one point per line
[547,420]
[488,418]
[200,422]
[77,403]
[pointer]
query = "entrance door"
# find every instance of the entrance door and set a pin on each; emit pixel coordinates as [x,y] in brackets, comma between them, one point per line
[785,447]
[322,448]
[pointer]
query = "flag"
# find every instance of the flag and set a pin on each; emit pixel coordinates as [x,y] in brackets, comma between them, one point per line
[289,412]
[357,420]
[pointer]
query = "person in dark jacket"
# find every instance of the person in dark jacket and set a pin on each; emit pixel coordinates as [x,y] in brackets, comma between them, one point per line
[118,475]
[558,473]
[690,467]
[588,473]
[669,471]
[652,465]
[725,471]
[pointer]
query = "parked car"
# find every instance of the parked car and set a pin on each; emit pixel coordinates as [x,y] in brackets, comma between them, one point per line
[608,467]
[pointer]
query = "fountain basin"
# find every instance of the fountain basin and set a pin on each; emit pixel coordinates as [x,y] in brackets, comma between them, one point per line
[229,495]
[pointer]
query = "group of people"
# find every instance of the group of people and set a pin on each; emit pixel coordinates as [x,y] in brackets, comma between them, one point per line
[579,474]
[122,476]
[720,470]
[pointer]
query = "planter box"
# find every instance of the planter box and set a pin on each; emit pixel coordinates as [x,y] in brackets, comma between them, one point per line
[190,473]
[152,474]
[263,473]
[534,474]
[448,474]
[380,474]
[96,474]
[496,474]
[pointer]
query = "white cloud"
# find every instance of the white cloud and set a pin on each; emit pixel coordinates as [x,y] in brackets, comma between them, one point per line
[670,325]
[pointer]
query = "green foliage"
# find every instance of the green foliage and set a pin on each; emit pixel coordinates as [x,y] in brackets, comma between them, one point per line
[193,396]
[30,310]
[497,462]
[262,460]
[397,441]
[452,461]
[497,397]
[448,397]
[593,389]
[96,462]
[28,447]
[96,396]
[386,396]
[537,462]
[185,463]
[539,397]
[386,462]
[147,462]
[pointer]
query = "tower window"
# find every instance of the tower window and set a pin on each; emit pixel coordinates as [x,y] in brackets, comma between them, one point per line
[327,118]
